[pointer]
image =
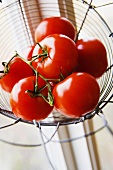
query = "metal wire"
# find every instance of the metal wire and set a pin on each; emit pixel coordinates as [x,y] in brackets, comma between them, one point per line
[21,19]
[51,139]
[84,15]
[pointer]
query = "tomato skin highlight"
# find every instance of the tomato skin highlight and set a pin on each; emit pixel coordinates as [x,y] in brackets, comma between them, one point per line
[18,70]
[92,57]
[76,95]
[26,107]
[62,56]
[54,25]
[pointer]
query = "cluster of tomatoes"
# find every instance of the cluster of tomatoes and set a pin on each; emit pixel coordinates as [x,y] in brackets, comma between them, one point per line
[55,73]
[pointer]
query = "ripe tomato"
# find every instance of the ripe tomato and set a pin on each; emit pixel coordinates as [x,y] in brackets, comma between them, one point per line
[26,106]
[61,59]
[54,25]
[92,57]
[76,95]
[27,53]
[17,69]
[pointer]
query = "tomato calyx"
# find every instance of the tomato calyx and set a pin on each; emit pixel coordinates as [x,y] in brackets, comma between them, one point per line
[6,66]
[36,92]
[6,69]
[43,55]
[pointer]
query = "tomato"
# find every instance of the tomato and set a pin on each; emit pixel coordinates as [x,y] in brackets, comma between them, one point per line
[54,25]
[92,57]
[61,58]
[27,53]
[28,105]
[16,70]
[76,95]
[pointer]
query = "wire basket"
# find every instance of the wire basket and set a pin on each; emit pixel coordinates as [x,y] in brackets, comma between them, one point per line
[20,19]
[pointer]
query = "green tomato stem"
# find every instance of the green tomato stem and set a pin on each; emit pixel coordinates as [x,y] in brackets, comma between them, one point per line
[6,67]
[49,99]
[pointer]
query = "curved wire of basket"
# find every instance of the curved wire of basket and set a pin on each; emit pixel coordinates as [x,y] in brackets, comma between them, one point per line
[86,19]
[50,139]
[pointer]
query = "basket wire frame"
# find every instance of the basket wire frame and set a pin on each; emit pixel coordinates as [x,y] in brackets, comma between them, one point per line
[83,21]
[28,24]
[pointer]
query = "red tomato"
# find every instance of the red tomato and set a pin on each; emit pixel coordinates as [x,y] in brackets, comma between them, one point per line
[54,25]
[18,69]
[62,56]
[76,95]
[27,53]
[92,57]
[27,106]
